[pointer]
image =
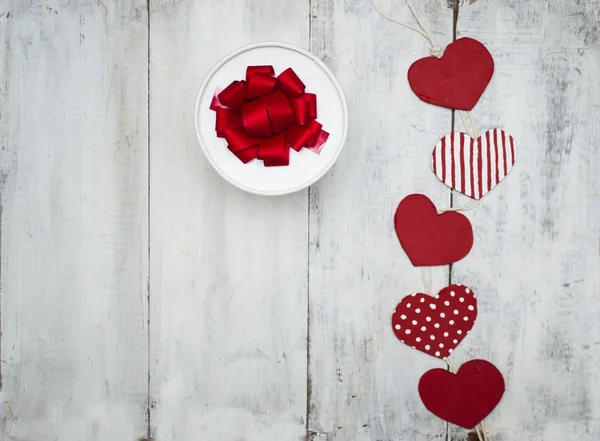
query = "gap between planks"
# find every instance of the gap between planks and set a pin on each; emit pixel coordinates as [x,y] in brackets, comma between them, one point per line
[456,9]
[312,435]
[149,400]
[455,4]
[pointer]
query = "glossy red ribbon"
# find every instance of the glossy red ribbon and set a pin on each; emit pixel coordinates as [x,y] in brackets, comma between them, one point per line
[263,116]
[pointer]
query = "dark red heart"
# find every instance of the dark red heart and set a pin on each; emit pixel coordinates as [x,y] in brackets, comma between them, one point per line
[464,398]
[435,325]
[458,79]
[429,238]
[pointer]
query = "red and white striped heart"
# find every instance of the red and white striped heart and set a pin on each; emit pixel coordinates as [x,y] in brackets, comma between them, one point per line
[435,325]
[473,167]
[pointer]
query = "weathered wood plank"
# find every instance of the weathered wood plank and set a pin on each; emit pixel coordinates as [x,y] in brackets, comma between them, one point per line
[535,261]
[73,204]
[228,270]
[363,380]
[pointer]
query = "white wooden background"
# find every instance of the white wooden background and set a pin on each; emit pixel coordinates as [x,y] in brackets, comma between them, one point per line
[143,298]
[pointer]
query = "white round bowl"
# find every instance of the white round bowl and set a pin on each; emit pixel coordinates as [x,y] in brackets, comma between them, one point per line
[306,167]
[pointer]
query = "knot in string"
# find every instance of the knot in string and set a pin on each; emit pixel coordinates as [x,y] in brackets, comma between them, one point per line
[436,51]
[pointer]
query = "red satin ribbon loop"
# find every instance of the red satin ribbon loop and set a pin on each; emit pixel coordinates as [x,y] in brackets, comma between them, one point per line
[319,141]
[265,70]
[234,95]
[245,155]
[290,83]
[238,140]
[226,118]
[259,84]
[256,119]
[311,100]
[299,136]
[280,111]
[263,116]
[300,107]
[273,149]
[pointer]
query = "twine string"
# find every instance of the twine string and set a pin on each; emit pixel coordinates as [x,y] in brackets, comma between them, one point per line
[451,365]
[482,426]
[466,117]
[480,435]
[426,277]
[467,207]
[434,50]
[468,123]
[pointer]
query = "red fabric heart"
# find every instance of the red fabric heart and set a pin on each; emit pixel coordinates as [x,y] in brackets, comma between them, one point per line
[464,398]
[458,79]
[435,325]
[429,238]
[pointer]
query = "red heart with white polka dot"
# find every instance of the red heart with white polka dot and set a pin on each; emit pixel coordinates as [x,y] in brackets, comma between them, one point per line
[435,325]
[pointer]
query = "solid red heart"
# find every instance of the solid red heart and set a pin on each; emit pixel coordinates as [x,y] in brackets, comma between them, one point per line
[464,398]
[429,238]
[458,79]
[435,325]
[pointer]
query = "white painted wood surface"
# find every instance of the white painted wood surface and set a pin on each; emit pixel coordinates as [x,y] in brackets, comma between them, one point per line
[270,318]
[228,270]
[535,262]
[363,380]
[73,203]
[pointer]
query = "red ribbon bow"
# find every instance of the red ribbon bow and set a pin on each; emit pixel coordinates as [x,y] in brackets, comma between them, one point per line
[263,116]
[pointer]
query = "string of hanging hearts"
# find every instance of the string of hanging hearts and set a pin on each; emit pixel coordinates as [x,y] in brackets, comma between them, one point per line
[473,165]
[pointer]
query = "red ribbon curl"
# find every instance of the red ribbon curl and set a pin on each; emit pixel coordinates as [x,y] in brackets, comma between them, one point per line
[262,116]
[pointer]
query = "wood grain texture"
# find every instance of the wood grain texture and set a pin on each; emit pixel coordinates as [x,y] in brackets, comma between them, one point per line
[73,187]
[535,261]
[270,317]
[228,270]
[363,381]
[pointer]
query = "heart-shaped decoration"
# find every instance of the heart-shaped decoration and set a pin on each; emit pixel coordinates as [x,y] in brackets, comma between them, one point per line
[429,238]
[464,398]
[435,325]
[473,167]
[458,79]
